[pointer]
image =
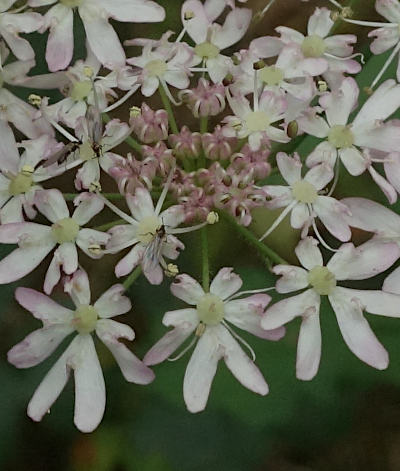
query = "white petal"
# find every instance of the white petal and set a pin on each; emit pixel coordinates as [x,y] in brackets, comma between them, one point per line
[77,286]
[293,278]
[356,331]
[113,302]
[309,346]
[52,204]
[201,370]
[374,301]
[308,253]
[225,283]
[186,288]
[290,167]
[132,368]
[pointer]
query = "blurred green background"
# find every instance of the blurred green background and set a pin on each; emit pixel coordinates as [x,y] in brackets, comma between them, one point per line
[347,418]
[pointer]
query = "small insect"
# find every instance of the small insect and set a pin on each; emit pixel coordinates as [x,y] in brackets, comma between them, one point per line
[61,155]
[152,254]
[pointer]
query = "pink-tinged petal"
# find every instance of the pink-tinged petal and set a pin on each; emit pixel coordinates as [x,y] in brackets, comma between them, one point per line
[173,216]
[22,261]
[292,278]
[309,345]
[53,275]
[171,247]
[332,214]
[289,35]
[299,216]
[225,283]
[86,238]
[130,261]
[356,331]
[214,8]
[60,44]
[392,169]
[353,160]
[313,124]
[372,217]
[149,86]
[385,39]
[177,78]
[364,261]
[198,25]
[281,196]
[392,282]
[12,211]
[134,370]
[290,167]
[308,253]
[201,370]
[66,256]
[240,365]
[286,310]
[233,29]
[78,288]
[51,203]
[42,307]
[384,185]
[384,138]
[246,315]
[133,11]
[323,153]
[88,205]
[51,386]
[185,322]
[38,345]
[340,45]
[266,46]
[319,176]
[389,9]
[21,232]
[187,289]
[320,22]
[90,391]
[376,302]
[341,102]
[140,205]
[152,270]
[102,38]
[121,237]
[113,302]
[181,318]
[380,105]
[9,156]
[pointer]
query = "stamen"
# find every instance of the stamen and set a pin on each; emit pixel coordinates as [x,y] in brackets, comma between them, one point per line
[169,95]
[374,24]
[180,355]
[241,340]
[164,192]
[352,56]
[249,291]
[319,237]
[255,91]
[116,210]
[62,131]
[385,65]
[280,218]
[336,178]
[120,101]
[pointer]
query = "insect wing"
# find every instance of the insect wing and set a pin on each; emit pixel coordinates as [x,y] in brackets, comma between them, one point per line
[152,254]
[95,127]
[60,155]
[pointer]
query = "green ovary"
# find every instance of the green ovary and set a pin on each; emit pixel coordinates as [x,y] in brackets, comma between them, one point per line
[340,136]
[80,90]
[206,50]
[257,121]
[72,3]
[85,319]
[271,75]
[148,228]
[322,280]
[86,151]
[304,192]
[210,309]
[156,68]
[20,184]
[313,46]
[65,230]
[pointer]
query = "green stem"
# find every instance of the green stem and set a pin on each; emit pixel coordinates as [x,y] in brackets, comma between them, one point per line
[109,225]
[168,108]
[129,140]
[205,261]
[203,129]
[132,277]
[252,240]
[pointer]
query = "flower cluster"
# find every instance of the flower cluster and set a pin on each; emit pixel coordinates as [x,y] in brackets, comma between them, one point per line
[248,109]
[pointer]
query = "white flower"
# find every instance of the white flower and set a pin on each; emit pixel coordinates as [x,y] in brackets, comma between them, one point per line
[348,263]
[80,356]
[209,320]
